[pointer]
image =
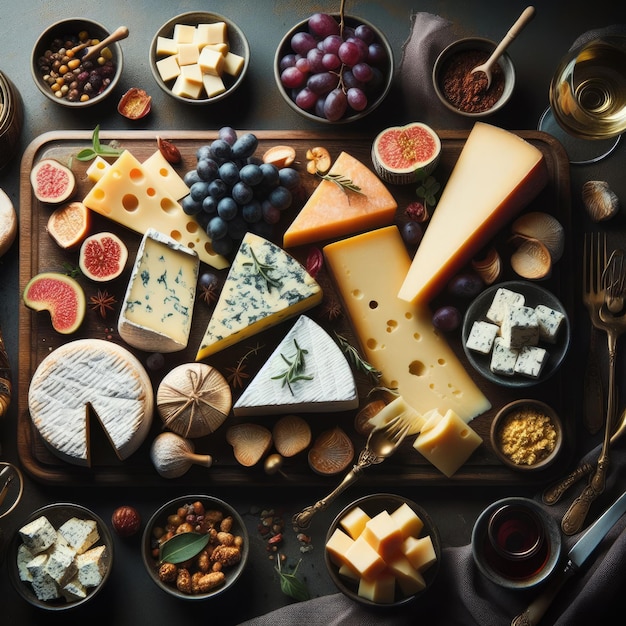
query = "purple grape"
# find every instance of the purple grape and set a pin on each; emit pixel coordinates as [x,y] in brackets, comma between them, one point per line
[362,72]
[302,42]
[289,60]
[447,318]
[321,84]
[322,25]
[315,60]
[361,45]
[331,61]
[349,53]
[412,233]
[228,134]
[357,100]
[349,80]
[292,78]
[306,98]
[331,44]
[364,32]
[465,285]
[335,105]
[303,65]
[376,54]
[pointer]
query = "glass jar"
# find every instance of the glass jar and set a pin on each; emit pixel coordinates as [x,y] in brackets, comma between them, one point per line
[11,119]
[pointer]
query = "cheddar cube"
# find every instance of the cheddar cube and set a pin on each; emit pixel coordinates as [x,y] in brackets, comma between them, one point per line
[222,48]
[337,546]
[381,589]
[216,32]
[354,521]
[213,85]
[407,520]
[186,88]
[168,68]
[192,73]
[408,578]
[188,54]
[364,559]
[184,33]
[345,571]
[420,552]
[233,63]
[384,534]
[166,46]
[97,168]
[211,61]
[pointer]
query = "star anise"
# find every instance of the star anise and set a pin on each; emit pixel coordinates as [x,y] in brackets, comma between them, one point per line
[102,302]
[238,374]
[209,292]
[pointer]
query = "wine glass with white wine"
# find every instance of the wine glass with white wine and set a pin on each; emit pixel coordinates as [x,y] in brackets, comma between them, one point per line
[587,111]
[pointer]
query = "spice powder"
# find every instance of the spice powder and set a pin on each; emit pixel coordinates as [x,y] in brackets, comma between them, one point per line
[527,436]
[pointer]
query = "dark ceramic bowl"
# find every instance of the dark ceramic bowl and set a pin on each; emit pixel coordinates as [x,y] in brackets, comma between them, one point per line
[378,94]
[466,45]
[372,505]
[237,42]
[71,27]
[57,514]
[158,521]
[11,119]
[534,295]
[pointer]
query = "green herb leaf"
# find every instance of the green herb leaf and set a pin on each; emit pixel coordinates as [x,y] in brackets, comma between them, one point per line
[182,547]
[295,368]
[97,149]
[263,269]
[291,585]
[341,181]
[356,360]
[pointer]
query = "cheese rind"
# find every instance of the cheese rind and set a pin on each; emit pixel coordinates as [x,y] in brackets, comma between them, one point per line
[497,174]
[396,337]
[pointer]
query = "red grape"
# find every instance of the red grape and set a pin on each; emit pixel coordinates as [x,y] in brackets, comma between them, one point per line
[335,105]
[322,25]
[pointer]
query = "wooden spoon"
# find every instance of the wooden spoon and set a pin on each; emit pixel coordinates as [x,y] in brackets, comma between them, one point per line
[527,14]
[91,51]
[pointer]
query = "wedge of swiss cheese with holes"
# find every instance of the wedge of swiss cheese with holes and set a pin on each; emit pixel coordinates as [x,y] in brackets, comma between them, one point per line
[397,337]
[334,210]
[96,374]
[497,174]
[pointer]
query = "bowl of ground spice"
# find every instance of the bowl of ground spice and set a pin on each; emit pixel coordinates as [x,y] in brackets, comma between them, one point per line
[527,435]
[464,92]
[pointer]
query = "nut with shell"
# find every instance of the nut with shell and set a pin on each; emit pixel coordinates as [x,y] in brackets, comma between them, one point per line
[599,200]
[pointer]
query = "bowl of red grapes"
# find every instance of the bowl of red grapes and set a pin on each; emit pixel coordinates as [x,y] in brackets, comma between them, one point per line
[334,71]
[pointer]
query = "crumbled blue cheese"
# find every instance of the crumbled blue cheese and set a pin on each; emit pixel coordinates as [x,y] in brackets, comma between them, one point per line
[531,361]
[91,566]
[519,326]
[550,321]
[502,298]
[74,590]
[482,336]
[503,358]
[38,535]
[24,557]
[80,534]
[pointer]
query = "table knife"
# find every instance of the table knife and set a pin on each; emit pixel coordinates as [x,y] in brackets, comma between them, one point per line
[575,559]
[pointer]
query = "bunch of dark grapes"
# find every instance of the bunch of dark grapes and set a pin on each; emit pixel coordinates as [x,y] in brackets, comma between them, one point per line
[333,72]
[232,192]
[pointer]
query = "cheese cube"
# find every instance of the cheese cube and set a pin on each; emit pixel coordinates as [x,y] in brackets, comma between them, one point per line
[161,170]
[211,61]
[337,546]
[74,590]
[188,54]
[420,552]
[233,64]
[501,299]
[60,565]
[399,408]
[408,578]
[549,321]
[519,327]
[186,89]
[383,533]
[364,559]
[91,566]
[531,361]
[184,33]
[447,442]
[80,534]
[354,521]
[346,571]
[192,73]
[503,358]
[216,32]
[222,48]
[45,588]
[408,521]
[97,168]
[213,85]
[24,557]
[38,535]
[166,45]
[381,589]
[482,336]
[168,68]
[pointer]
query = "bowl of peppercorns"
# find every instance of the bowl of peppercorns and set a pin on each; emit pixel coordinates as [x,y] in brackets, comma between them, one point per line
[467,93]
[63,75]
[195,547]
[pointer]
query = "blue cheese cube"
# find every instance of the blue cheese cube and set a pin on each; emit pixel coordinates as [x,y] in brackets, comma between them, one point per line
[531,361]
[501,300]
[60,565]
[74,590]
[24,557]
[38,535]
[91,566]
[481,336]
[80,534]
[520,327]
[550,321]
[503,358]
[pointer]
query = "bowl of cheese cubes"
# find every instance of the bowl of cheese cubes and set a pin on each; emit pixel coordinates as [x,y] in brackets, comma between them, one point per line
[516,333]
[61,556]
[199,57]
[383,550]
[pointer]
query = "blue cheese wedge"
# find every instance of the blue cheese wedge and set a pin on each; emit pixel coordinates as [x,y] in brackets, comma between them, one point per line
[38,535]
[549,321]
[481,336]
[80,534]
[265,286]
[502,299]
[91,566]
[326,382]
[157,309]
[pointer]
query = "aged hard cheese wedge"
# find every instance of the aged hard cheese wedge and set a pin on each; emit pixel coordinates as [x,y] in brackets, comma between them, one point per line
[334,211]
[497,174]
[397,337]
[157,308]
[90,373]
[264,286]
[128,193]
[328,384]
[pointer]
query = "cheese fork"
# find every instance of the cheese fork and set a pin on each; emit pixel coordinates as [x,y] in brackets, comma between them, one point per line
[381,443]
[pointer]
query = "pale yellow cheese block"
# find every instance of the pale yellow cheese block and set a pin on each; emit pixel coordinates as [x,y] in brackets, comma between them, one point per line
[497,174]
[397,337]
[354,521]
[381,589]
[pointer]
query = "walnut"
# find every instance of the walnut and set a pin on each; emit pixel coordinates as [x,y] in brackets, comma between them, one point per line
[226,524]
[183,580]
[226,555]
[168,572]
[225,539]
[210,581]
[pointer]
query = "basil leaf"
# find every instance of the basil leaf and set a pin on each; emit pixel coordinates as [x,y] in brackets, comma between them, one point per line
[95,138]
[86,155]
[293,587]
[182,547]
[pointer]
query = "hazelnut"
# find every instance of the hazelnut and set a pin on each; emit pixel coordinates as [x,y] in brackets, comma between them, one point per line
[126,521]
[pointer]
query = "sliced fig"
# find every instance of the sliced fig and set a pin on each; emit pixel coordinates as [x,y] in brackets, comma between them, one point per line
[135,104]
[102,256]
[68,224]
[61,296]
[52,181]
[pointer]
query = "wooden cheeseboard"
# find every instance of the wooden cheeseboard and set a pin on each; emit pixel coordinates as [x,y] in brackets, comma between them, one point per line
[38,252]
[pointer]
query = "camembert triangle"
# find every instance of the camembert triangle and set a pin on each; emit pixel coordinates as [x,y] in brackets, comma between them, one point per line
[328,383]
[333,211]
[497,174]
[265,286]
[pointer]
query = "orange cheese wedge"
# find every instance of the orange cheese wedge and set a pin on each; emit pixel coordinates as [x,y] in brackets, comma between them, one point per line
[334,211]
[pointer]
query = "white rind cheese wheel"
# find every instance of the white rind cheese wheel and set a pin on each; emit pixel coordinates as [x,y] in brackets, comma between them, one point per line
[90,373]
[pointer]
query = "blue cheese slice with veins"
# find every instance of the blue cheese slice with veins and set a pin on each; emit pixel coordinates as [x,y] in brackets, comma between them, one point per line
[531,361]
[324,382]
[549,321]
[265,286]
[38,535]
[520,326]
[481,336]
[502,300]
[503,358]
[157,309]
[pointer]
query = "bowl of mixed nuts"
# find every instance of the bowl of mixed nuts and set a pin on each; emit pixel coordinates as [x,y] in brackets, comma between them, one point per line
[195,547]
[61,72]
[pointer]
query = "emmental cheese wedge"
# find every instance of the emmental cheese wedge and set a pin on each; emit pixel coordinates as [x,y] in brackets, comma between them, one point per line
[327,382]
[497,174]
[334,211]
[396,337]
[128,193]
[265,286]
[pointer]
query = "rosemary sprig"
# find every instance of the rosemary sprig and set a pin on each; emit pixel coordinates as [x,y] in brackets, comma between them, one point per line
[341,181]
[97,148]
[356,360]
[263,269]
[295,367]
